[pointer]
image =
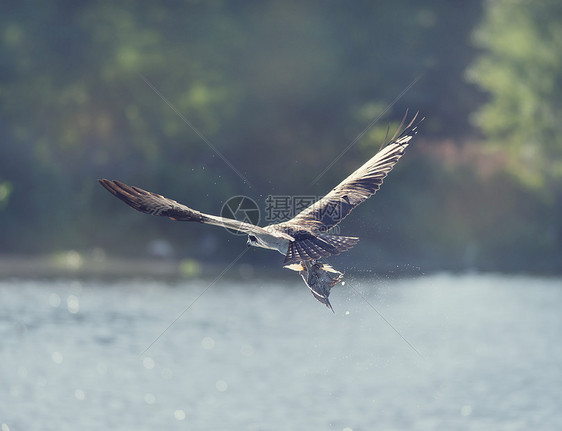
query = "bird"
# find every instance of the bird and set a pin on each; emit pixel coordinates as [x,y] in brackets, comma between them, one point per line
[306,238]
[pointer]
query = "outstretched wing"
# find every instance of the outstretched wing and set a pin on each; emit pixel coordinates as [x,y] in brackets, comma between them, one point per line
[151,203]
[358,187]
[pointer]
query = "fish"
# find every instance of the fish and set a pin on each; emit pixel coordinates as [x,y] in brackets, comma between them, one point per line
[319,277]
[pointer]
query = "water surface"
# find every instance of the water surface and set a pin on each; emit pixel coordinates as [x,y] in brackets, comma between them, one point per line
[267,356]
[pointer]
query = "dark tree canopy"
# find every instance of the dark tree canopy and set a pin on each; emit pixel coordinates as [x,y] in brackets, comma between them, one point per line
[279,90]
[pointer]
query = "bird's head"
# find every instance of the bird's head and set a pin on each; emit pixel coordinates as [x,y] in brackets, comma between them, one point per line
[252,240]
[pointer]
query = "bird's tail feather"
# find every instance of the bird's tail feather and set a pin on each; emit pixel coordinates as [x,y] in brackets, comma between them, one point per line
[317,247]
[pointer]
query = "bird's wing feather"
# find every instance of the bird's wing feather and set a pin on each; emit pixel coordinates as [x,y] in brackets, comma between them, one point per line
[154,204]
[358,187]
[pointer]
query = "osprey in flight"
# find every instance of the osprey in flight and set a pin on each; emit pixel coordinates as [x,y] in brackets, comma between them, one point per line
[305,239]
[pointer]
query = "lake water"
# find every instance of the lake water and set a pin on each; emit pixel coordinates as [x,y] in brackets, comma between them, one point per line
[267,356]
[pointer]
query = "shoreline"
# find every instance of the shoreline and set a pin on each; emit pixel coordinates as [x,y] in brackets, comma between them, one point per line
[72,264]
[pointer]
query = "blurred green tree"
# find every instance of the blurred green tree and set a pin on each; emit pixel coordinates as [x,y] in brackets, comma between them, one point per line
[280,88]
[521,68]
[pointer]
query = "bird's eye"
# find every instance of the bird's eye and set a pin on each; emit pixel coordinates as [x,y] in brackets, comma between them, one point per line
[252,238]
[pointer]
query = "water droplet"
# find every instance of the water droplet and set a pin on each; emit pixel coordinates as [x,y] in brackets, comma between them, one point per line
[72,304]
[148,363]
[149,399]
[466,410]
[179,415]
[56,357]
[79,394]
[221,385]
[208,343]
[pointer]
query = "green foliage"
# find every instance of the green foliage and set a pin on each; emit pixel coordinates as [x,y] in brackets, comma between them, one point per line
[280,89]
[5,191]
[521,68]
